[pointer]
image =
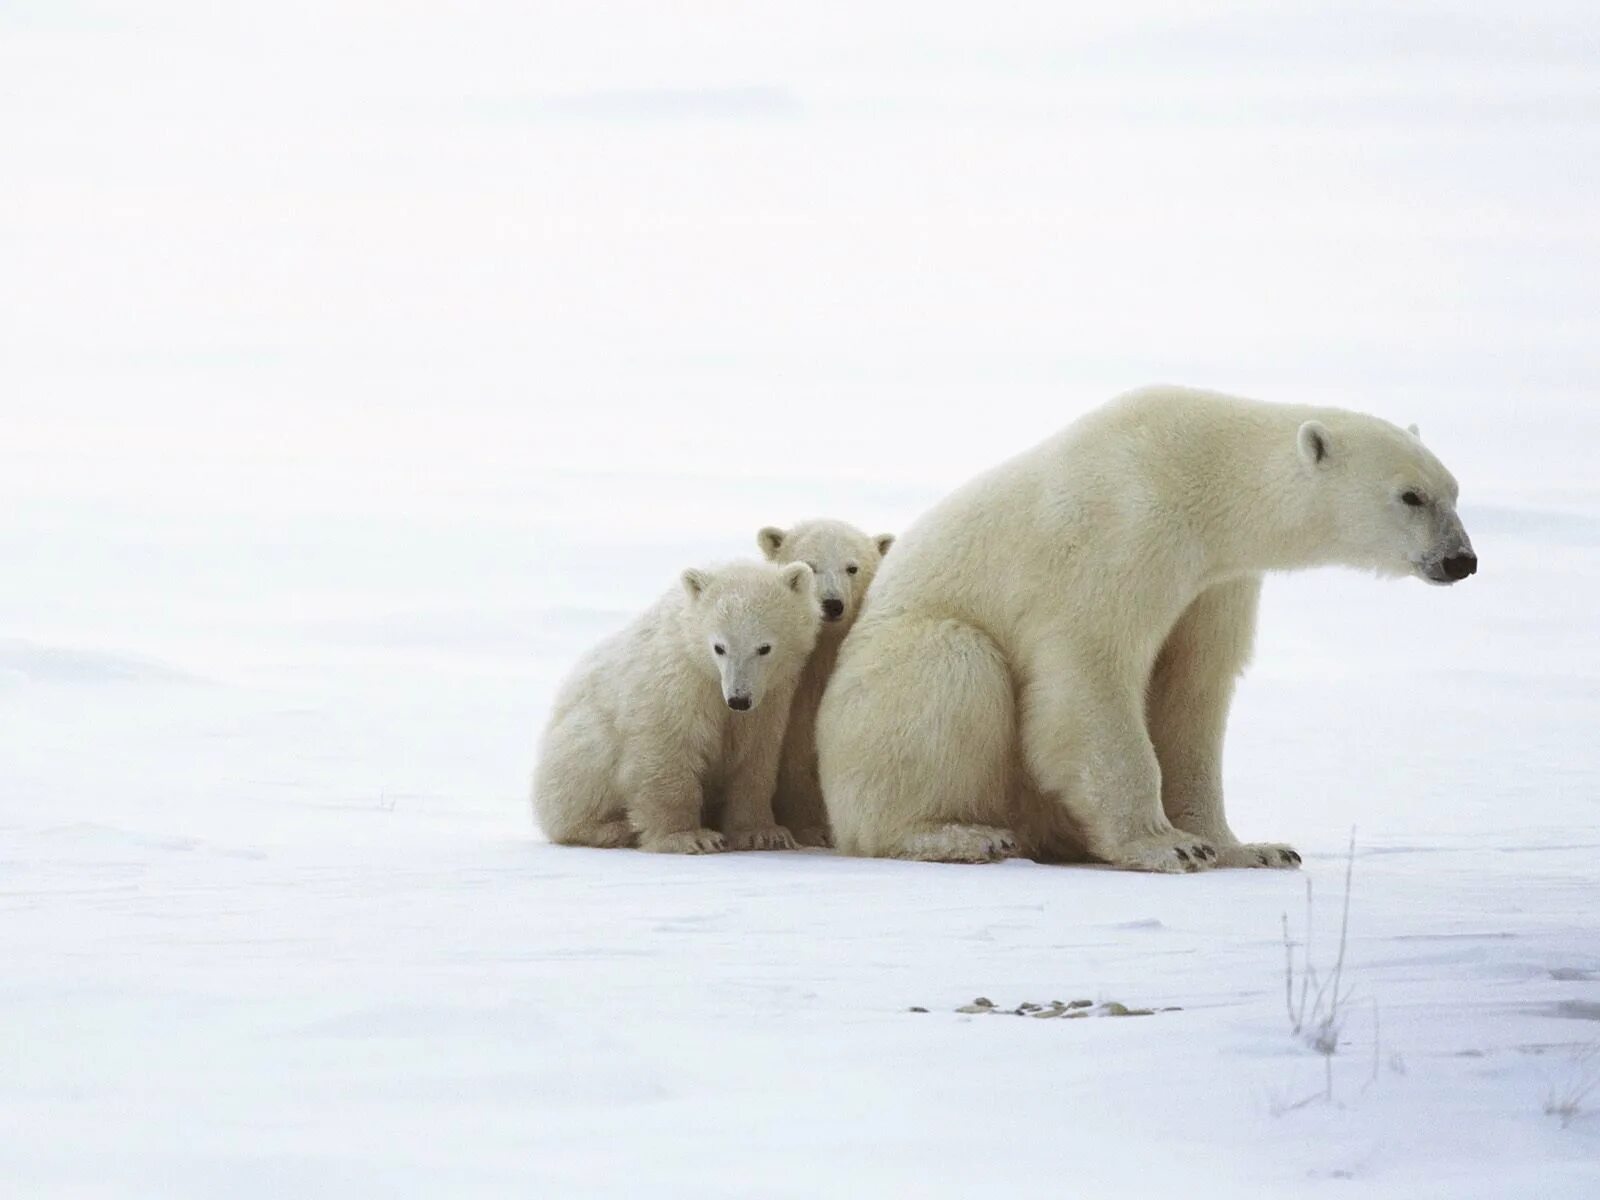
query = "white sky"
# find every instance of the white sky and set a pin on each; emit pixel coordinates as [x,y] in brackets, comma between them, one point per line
[319,249]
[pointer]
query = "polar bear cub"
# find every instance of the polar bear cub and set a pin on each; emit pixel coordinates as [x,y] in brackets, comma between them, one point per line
[1049,656]
[844,561]
[676,723]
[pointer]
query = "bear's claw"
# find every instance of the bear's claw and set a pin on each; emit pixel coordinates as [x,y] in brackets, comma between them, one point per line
[1174,854]
[1271,855]
[774,837]
[689,841]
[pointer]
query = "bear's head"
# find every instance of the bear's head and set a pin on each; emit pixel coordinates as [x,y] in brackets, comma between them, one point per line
[1388,503]
[843,559]
[755,623]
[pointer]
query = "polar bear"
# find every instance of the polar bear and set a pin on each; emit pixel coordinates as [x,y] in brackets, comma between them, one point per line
[676,722]
[1046,662]
[844,561]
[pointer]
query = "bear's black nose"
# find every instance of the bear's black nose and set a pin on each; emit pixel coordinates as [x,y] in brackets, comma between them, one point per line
[739,703]
[1459,566]
[833,609]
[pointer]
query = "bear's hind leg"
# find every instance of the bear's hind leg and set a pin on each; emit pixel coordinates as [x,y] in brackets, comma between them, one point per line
[956,844]
[573,800]
[914,736]
[607,835]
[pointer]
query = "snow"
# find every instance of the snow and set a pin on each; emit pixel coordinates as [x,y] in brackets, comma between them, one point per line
[365,366]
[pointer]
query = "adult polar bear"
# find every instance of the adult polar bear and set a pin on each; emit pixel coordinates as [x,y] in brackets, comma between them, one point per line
[1046,661]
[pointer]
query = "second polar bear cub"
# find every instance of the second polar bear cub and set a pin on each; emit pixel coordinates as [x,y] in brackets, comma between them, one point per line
[675,723]
[844,561]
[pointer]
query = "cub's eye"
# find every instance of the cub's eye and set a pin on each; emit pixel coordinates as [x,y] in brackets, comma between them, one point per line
[1411,499]
[720,649]
[763,649]
[851,569]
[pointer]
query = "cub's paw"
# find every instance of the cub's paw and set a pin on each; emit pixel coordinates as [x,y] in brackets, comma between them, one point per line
[1173,853]
[773,837]
[690,841]
[959,844]
[1260,854]
[814,835]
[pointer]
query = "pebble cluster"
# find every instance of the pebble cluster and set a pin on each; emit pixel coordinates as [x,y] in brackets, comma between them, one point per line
[1056,1008]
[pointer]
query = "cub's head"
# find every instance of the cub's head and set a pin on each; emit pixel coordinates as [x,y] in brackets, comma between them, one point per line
[843,559]
[754,622]
[1390,502]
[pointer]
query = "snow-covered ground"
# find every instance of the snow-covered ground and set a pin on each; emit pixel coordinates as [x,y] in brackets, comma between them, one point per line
[362,367]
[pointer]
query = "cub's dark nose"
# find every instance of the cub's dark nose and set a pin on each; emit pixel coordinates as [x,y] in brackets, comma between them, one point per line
[833,609]
[1459,566]
[739,703]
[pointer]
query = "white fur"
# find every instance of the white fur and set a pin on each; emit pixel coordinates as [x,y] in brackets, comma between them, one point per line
[1047,659]
[643,747]
[844,561]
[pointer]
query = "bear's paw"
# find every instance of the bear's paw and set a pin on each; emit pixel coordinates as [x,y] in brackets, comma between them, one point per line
[773,837]
[689,841]
[1173,853]
[1260,854]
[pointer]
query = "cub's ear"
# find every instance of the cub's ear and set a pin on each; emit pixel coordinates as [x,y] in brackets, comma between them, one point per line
[1315,443]
[695,581]
[798,577]
[770,540]
[1414,432]
[884,540]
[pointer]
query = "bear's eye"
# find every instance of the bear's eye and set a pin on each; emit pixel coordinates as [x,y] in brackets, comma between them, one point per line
[1411,499]
[720,648]
[763,649]
[851,569]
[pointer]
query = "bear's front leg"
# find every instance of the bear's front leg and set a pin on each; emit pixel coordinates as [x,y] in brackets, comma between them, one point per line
[1083,737]
[757,744]
[797,804]
[666,807]
[1187,702]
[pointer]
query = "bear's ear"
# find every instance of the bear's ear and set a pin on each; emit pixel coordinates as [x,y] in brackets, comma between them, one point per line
[798,577]
[1315,443]
[1414,432]
[770,540]
[884,540]
[696,581]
